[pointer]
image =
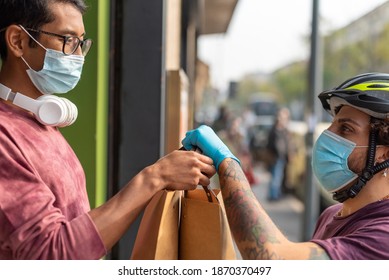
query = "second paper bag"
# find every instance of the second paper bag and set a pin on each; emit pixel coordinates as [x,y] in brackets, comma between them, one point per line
[204,230]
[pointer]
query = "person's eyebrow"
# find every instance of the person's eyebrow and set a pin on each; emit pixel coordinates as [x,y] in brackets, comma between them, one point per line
[72,33]
[348,120]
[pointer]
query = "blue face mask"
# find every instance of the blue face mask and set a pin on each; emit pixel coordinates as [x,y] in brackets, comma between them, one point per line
[60,72]
[329,161]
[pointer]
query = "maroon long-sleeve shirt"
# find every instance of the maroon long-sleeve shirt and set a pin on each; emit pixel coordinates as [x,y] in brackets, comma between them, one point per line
[43,200]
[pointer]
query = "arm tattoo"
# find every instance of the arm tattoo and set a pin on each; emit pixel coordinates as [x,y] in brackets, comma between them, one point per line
[252,228]
[234,172]
[318,254]
[251,224]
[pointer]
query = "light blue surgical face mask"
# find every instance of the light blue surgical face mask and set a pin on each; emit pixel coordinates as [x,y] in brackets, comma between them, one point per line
[329,161]
[60,72]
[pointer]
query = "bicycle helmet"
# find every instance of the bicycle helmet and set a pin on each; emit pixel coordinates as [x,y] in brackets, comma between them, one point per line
[366,92]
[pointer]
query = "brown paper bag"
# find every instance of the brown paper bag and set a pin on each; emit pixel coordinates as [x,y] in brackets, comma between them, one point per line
[157,237]
[204,229]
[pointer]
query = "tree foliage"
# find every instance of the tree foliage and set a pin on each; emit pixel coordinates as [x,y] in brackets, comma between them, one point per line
[289,84]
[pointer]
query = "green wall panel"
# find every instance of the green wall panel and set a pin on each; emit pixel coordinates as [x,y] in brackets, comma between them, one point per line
[88,135]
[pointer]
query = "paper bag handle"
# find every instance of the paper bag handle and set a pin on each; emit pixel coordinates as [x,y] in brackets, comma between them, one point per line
[211,196]
[208,193]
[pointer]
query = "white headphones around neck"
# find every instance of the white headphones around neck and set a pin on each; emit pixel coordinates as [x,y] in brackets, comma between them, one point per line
[49,110]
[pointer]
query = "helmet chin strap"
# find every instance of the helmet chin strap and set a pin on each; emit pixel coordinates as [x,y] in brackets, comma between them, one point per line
[368,172]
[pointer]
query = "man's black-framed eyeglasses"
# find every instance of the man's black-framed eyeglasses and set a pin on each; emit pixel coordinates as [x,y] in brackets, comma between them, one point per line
[70,43]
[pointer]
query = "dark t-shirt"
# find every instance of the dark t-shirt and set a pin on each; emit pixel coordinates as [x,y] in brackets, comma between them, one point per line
[278,141]
[363,235]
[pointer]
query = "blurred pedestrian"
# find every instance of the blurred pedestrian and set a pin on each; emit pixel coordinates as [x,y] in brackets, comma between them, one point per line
[278,150]
[222,119]
[234,137]
[248,121]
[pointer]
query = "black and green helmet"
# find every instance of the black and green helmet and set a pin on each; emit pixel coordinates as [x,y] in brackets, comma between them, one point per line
[366,92]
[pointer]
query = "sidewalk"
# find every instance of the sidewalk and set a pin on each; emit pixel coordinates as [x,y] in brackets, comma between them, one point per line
[286,213]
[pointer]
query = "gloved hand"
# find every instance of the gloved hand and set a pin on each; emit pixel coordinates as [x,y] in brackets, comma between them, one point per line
[209,143]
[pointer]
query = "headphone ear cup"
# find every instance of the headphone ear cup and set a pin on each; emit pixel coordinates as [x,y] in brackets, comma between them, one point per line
[56,111]
[51,111]
[71,112]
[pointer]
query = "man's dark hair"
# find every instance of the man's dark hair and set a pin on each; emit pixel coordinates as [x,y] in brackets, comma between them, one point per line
[29,13]
[382,126]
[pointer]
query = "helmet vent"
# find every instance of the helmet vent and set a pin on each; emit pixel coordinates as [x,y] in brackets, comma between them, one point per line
[378,86]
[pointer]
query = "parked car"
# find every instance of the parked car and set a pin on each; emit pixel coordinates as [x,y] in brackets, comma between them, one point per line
[265,110]
[258,135]
[263,106]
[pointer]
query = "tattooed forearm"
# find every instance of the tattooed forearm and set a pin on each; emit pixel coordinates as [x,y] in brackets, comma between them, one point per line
[243,212]
[232,171]
[252,228]
[255,233]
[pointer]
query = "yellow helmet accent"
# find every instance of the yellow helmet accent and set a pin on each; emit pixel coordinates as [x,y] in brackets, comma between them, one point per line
[370,86]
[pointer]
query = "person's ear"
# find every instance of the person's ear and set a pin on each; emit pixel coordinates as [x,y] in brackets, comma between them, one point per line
[382,154]
[16,40]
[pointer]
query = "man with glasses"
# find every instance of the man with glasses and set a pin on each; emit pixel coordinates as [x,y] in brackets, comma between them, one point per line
[70,43]
[44,209]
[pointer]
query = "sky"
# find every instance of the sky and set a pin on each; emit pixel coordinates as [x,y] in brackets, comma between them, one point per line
[266,35]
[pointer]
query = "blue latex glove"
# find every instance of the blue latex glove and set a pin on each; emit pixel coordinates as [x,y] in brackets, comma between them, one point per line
[209,143]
